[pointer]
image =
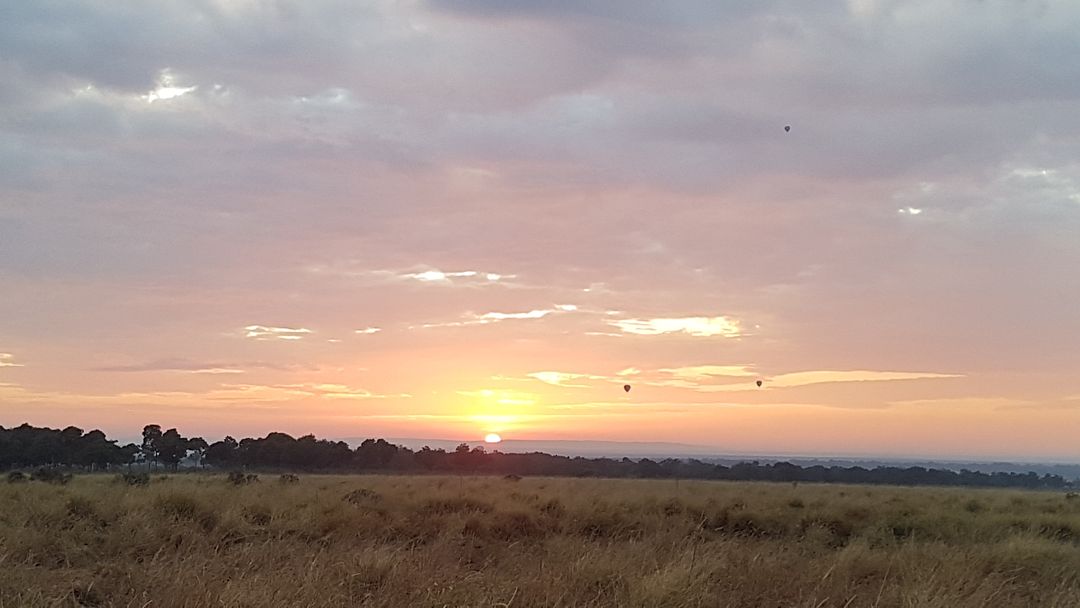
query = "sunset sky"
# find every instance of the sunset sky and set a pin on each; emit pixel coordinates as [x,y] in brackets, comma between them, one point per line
[444,218]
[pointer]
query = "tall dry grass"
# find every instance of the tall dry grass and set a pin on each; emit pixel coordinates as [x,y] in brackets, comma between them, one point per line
[194,540]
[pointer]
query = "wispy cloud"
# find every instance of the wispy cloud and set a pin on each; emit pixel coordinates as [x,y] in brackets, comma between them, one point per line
[805,378]
[166,88]
[265,332]
[496,317]
[564,379]
[438,276]
[222,393]
[729,378]
[367,331]
[337,391]
[703,327]
[819,377]
[8,360]
[426,275]
[174,365]
[699,372]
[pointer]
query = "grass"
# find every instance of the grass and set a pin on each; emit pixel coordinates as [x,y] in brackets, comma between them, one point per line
[197,540]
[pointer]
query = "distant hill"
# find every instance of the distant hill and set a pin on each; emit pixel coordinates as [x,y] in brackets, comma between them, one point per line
[660,450]
[592,449]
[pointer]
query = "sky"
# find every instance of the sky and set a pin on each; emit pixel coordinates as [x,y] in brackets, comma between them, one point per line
[444,218]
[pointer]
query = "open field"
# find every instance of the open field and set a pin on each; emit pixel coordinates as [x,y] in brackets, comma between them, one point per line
[195,540]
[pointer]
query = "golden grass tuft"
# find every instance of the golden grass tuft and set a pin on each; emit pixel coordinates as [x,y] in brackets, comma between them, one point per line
[198,540]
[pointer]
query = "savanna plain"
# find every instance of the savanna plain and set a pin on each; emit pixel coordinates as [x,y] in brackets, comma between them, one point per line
[443,541]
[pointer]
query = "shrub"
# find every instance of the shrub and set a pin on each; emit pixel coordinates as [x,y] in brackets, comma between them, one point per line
[553,508]
[259,515]
[16,477]
[183,507]
[134,479]
[81,507]
[239,478]
[362,496]
[51,476]
[512,477]
[289,478]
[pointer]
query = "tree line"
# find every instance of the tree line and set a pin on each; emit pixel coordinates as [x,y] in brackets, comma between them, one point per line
[27,446]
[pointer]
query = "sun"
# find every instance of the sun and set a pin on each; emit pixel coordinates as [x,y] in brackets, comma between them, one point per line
[492,438]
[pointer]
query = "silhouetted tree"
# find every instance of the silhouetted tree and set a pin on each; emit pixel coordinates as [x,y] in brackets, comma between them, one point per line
[27,446]
[150,435]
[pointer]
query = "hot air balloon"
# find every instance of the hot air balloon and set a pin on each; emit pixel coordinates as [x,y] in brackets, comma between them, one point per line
[626,387]
[758,383]
[787,128]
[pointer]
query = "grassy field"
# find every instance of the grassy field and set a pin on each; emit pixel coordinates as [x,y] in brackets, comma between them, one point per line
[194,540]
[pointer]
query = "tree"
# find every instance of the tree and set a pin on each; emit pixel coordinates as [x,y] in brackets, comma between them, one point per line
[171,448]
[150,435]
[222,453]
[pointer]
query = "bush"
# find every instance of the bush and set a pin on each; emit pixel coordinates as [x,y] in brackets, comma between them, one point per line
[186,508]
[289,478]
[81,507]
[134,479]
[553,508]
[51,476]
[362,496]
[512,477]
[16,477]
[239,478]
[259,515]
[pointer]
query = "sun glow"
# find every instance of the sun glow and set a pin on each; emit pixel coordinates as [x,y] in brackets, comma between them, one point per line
[492,438]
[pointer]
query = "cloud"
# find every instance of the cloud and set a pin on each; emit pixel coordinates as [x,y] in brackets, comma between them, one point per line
[367,331]
[438,276]
[695,326]
[323,160]
[8,360]
[731,378]
[564,379]
[175,365]
[223,393]
[264,332]
[701,372]
[806,378]
[188,366]
[426,275]
[336,391]
[166,89]
[488,318]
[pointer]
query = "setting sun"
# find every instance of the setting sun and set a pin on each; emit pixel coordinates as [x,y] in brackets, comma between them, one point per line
[492,438]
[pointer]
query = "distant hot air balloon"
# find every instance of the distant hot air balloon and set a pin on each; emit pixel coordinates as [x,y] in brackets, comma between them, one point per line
[758,383]
[626,387]
[787,128]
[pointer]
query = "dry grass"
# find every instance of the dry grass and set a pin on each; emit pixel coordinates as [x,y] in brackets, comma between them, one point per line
[446,541]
